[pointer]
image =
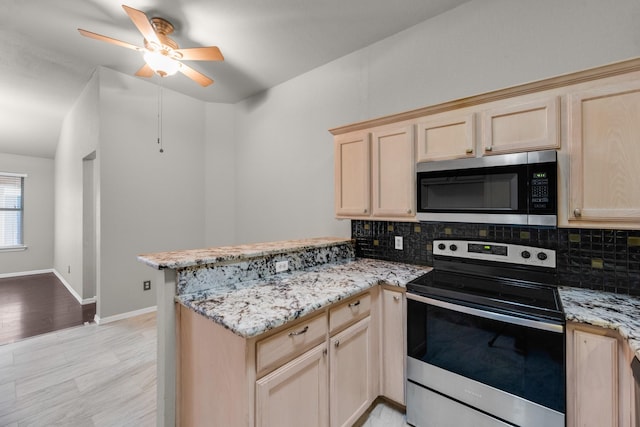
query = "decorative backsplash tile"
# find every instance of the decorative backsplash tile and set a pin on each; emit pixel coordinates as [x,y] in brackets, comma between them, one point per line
[588,258]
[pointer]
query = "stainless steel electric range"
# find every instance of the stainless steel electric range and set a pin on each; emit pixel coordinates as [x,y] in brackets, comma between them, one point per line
[486,338]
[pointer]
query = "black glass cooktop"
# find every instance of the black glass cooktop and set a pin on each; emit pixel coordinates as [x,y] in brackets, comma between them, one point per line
[515,297]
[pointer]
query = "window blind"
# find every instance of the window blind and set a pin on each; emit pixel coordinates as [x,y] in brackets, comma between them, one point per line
[11,209]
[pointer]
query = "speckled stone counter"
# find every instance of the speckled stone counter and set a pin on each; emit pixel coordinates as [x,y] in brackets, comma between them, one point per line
[604,309]
[221,254]
[252,308]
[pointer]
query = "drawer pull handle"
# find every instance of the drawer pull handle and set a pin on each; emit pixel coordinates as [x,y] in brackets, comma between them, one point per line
[354,304]
[469,151]
[337,343]
[294,334]
[488,148]
[577,213]
[396,298]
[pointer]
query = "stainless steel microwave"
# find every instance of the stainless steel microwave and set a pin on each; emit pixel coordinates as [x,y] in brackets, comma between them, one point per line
[518,188]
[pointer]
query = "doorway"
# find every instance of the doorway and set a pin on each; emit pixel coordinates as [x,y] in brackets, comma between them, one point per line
[89,228]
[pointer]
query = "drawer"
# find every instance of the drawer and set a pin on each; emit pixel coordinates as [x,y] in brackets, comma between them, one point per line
[278,349]
[349,312]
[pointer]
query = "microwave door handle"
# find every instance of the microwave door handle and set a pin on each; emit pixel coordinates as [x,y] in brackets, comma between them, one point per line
[435,180]
[469,178]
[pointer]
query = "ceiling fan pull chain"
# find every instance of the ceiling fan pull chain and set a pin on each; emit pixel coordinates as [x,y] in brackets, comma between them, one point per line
[160,116]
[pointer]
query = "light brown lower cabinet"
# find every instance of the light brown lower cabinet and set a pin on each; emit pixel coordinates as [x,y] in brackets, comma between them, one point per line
[599,378]
[351,373]
[393,345]
[322,370]
[295,394]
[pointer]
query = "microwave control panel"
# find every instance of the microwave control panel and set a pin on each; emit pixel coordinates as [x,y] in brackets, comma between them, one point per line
[542,183]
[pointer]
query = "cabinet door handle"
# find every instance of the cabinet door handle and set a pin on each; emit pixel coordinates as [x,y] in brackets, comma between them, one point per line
[488,148]
[469,150]
[408,211]
[396,298]
[337,344]
[365,211]
[354,304]
[324,352]
[577,212]
[294,334]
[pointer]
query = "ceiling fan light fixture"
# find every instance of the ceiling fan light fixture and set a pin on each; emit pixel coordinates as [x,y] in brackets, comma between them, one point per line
[161,64]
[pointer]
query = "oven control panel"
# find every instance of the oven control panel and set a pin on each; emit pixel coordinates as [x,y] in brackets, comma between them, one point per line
[492,251]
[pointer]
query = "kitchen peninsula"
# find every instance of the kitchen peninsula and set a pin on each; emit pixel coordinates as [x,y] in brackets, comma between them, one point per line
[239,301]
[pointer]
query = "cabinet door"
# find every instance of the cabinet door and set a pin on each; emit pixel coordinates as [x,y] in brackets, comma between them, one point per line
[527,126]
[295,394]
[604,137]
[393,353]
[393,172]
[352,174]
[446,136]
[595,371]
[350,374]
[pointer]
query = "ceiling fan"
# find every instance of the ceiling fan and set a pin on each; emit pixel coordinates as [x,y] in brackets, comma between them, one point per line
[162,55]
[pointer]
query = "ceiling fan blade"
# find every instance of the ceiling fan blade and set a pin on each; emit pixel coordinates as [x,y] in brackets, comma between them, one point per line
[143,24]
[197,76]
[145,71]
[108,39]
[211,53]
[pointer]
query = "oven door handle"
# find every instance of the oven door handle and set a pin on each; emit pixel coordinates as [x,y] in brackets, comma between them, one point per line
[536,324]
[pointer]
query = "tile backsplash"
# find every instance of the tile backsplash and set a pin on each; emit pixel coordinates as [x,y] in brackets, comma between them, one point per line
[599,259]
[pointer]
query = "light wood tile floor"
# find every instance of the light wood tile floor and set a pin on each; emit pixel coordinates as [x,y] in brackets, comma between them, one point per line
[84,376]
[95,376]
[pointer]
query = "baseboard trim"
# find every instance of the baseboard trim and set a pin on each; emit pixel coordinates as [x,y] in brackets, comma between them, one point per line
[73,291]
[114,318]
[26,273]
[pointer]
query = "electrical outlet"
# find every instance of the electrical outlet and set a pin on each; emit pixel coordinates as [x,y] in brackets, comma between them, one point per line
[146,285]
[282,266]
[399,242]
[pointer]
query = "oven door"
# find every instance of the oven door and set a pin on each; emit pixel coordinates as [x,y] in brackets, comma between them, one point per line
[488,366]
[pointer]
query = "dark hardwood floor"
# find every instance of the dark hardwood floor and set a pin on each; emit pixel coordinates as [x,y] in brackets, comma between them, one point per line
[36,304]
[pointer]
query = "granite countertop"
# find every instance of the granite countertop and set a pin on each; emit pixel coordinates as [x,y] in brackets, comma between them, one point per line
[193,257]
[604,309]
[252,308]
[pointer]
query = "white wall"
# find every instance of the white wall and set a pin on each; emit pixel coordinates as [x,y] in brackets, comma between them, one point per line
[149,201]
[284,151]
[78,138]
[220,175]
[38,215]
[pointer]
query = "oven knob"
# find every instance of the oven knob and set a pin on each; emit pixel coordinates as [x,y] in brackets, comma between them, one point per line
[542,256]
[525,254]
[453,248]
[442,246]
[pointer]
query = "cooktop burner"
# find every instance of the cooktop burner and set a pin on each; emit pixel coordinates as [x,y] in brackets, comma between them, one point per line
[500,277]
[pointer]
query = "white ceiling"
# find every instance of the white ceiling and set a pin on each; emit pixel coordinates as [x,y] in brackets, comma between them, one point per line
[45,62]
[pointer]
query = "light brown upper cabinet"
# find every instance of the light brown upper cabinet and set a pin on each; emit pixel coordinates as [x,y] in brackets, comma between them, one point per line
[449,135]
[393,172]
[604,159]
[522,126]
[352,174]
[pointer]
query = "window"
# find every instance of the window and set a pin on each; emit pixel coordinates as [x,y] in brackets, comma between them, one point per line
[11,210]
